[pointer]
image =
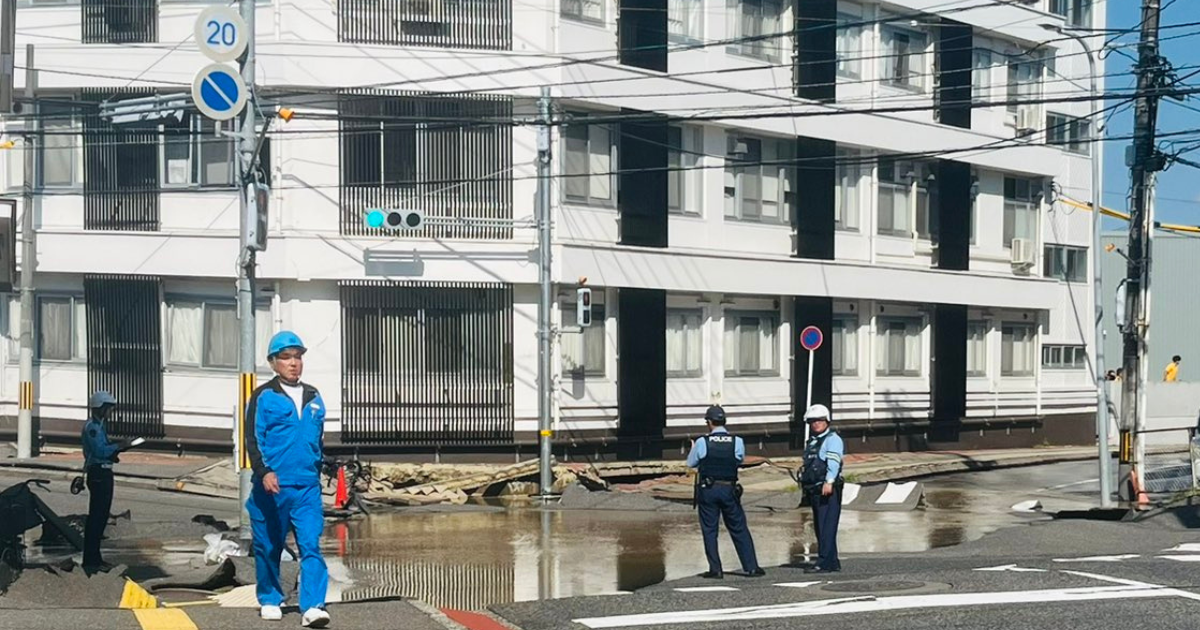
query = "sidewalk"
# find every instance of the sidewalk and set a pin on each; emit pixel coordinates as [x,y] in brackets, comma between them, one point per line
[136,468]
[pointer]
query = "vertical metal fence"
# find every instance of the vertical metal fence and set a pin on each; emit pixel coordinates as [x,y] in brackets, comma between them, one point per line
[124,349]
[427,363]
[120,171]
[119,21]
[472,24]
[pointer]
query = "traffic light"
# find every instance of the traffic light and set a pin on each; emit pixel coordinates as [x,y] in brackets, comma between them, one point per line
[583,306]
[255,219]
[396,219]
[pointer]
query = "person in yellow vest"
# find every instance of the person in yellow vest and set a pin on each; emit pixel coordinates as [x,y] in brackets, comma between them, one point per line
[1171,374]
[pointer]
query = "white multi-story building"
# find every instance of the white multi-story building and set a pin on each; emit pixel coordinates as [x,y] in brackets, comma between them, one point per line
[725,173]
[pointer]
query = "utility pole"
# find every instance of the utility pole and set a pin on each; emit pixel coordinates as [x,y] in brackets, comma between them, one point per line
[545,389]
[1146,161]
[247,153]
[25,437]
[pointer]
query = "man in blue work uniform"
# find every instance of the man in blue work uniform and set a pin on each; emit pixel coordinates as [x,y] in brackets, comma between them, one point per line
[717,456]
[285,422]
[99,455]
[822,482]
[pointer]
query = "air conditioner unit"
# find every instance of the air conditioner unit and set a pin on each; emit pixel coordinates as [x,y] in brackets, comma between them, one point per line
[1023,254]
[1026,120]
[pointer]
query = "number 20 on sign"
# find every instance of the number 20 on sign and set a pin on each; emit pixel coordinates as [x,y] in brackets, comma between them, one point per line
[221,33]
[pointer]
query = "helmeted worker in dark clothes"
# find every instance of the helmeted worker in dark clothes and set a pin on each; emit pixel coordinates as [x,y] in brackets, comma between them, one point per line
[717,456]
[822,481]
[99,455]
[285,422]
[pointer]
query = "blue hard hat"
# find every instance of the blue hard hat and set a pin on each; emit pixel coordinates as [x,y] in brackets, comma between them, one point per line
[283,340]
[101,398]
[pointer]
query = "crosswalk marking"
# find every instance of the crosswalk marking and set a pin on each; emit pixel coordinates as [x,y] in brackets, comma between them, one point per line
[1118,558]
[1195,558]
[797,584]
[1011,567]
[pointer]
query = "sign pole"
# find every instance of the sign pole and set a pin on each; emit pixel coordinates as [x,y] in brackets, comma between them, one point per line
[811,338]
[808,394]
[247,362]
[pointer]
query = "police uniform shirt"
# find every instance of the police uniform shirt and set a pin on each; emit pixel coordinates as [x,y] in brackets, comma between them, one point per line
[97,449]
[831,452]
[700,448]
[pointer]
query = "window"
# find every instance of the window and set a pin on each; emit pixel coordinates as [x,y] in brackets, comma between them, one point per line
[684,343]
[583,352]
[847,206]
[1064,357]
[1065,263]
[1076,12]
[750,344]
[896,214]
[1022,199]
[588,163]
[685,20]
[977,348]
[849,46]
[684,185]
[1016,350]
[899,347]
[119,21]
[755,27]
[981,77]
[1024,82]
[844,345]
[60,329]
[903,60]
[205,334]
[758,180]
[1072,134]
[194,155]
[60,147]
[585,10]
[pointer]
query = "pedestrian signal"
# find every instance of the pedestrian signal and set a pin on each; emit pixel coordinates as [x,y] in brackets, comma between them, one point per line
[583,307]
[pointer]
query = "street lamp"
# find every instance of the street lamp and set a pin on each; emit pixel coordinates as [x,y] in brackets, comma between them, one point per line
[1097,294]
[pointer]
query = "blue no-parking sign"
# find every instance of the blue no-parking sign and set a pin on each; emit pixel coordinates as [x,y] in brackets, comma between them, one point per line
[811,338]
[219,92]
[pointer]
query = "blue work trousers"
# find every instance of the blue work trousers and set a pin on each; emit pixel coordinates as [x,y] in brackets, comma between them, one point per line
[827,512]
[295,509]
[713,503]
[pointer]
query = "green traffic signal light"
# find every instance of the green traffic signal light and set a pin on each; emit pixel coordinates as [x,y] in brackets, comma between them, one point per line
[375,218]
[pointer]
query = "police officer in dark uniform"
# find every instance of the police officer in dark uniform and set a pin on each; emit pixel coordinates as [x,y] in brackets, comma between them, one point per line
[717,456]
[822,482]
[99,455]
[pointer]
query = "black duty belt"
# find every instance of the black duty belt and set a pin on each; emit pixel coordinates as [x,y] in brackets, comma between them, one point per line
[723,482]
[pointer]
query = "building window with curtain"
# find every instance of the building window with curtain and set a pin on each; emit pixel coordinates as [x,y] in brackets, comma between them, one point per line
[205,333]
[584,10]
[60,328]
[684,180]
[843,344]
[849,46]
[847,206]
[755,28]
[1060,357]
[60,152]
[685,347]
[904,60]
[583,352]
[1070,133]
[981,75]
[195,156]
[759,184]
[685,20]
[1024,85]
[977,332]
[1065,263]
[896,212]
[1022,202]
[589,174]
[898,351]
[751,347]
[1017,342]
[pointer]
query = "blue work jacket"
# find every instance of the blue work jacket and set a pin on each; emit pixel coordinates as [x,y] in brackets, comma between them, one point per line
[280,439]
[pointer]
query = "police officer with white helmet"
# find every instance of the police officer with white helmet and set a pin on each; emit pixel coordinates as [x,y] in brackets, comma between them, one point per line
[822,482]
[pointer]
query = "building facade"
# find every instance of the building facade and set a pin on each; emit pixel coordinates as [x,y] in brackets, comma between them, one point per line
[724,174]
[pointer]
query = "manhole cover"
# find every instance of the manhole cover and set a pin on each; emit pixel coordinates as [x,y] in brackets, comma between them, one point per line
[878,586]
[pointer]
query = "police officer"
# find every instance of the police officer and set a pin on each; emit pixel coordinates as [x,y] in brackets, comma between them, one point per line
[822,482]
[99,455]
[716,456]
[285,422]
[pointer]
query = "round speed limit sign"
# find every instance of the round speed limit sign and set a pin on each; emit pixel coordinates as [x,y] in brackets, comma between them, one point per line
[221,33]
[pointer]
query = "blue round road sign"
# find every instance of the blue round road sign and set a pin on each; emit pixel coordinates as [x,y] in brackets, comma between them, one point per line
[219,92]
[811,338]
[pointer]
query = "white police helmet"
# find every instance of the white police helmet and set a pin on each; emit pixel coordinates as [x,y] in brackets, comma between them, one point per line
[817,412]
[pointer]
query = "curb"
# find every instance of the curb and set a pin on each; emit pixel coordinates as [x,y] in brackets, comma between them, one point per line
[66,474]
[911,471]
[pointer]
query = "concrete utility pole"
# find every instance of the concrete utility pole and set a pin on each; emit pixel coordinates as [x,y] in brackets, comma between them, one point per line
[25,436]
[247,144]
[545,382]
[1146,160]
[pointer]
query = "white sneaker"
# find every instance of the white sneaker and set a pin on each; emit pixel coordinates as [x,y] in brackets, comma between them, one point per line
[315,618]
[271,613]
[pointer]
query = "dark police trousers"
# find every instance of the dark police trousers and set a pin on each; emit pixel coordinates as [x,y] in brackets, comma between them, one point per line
[827,511]
[100,498]
[720,500]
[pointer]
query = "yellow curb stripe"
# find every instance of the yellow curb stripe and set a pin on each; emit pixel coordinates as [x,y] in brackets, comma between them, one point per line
[185,604]
[164,619]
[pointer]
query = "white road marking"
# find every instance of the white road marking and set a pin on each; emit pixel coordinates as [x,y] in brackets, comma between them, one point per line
[1108,578]
[850,493]
[880,604]
[1185,547]
[1012,567]
[705,589]
[797,584]
[896,492]
[1182,558]
[1073,483]
[1124,556]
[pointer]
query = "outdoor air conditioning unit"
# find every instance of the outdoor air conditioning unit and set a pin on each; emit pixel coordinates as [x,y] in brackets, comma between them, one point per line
[1023,254]
[1026,120]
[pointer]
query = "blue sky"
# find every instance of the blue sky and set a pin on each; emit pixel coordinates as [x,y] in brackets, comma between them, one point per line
[1178,187]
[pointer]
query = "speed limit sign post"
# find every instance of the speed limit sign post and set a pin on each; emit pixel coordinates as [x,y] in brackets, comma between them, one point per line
[811,338]
[221,33]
